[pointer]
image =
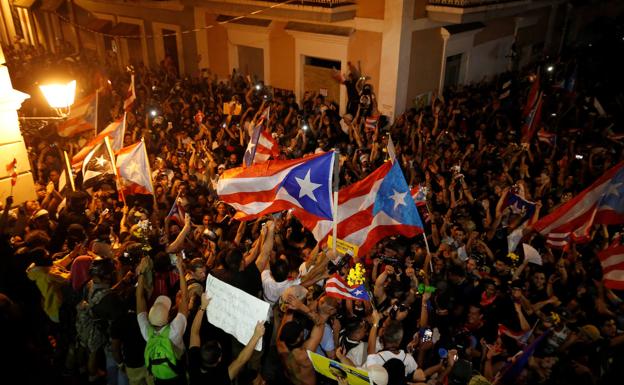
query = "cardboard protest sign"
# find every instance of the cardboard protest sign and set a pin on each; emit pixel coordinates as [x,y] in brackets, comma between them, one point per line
[334,369]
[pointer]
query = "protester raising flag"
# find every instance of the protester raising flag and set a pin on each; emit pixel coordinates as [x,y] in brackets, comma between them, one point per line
[371,123]
[130,95]
[114,131]
[337,287]
[612,263]
[82,117]
[261,144]
[521,337]
[260,189]
[519,206]
[602,203]
[12,171]
[134,170]
[376,207]
[98,164]
[67,177]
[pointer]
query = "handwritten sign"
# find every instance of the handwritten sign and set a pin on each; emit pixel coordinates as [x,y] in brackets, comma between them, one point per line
[334,369]
[234,311]
[343,246]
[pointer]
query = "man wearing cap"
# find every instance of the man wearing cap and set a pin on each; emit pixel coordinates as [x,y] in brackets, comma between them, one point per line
[157,321]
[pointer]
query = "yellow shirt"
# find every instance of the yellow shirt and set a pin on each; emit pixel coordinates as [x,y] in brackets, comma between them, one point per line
[49,281]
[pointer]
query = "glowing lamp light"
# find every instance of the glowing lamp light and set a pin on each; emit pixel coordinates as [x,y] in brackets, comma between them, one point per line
[550,68]
[59,96]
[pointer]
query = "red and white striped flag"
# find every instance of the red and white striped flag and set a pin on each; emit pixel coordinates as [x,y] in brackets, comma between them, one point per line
[521,337]
[612,262]
[267,148]
[371,122]
[82,117]
[130,95]
[602,203]
[12,170]
[419,194]
[337,287]
[177,212]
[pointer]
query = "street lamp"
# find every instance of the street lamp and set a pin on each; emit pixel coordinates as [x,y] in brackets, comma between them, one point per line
[60,97]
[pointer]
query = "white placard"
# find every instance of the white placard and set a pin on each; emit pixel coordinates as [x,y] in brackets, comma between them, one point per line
[234,311]
[532,255]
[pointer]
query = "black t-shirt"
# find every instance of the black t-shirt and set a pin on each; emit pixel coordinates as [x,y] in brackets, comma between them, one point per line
[214,376]
[126,329]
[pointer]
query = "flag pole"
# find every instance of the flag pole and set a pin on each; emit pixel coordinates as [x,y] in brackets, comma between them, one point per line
[335,186]
[114,166]
[68,171]
[149,170]
[97,106]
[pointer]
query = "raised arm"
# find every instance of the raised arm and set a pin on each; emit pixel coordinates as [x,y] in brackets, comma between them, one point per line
[195,339]
[176,245]
[244,356]
[183,306]
[263,260]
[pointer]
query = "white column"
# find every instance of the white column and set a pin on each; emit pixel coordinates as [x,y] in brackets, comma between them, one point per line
[395,57]
[11,142]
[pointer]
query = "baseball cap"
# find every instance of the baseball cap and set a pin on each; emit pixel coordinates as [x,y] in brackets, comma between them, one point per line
[159,312]
[591,332]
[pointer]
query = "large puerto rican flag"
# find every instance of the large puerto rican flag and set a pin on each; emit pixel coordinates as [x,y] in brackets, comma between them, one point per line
[300,184]
[612,262]
[600,203]
[376,207]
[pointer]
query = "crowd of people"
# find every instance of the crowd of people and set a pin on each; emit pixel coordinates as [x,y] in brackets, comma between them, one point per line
[96,290]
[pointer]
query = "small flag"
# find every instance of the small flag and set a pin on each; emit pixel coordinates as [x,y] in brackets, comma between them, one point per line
[419,194]
[114,131]
[130,95]
[12,170]
[337,287]
[519,206]
[177,212]
[520,337]
[254,141]
[371,123]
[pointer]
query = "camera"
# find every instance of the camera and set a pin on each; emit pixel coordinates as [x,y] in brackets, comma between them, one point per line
[336,267]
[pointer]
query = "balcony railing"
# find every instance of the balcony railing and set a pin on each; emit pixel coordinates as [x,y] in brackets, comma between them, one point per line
[317,3]
[467,3]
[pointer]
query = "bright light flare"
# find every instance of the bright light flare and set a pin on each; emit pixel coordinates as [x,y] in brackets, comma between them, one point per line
[59,95]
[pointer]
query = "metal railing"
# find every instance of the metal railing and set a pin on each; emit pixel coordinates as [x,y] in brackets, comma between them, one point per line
[467,3]
[317,3]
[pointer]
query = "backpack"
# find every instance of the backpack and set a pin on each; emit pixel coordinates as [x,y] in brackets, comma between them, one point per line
[160,358]
[90,330]
[396,371]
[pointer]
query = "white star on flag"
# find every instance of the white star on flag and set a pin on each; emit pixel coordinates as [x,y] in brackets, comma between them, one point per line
[398,198]
[100,160]
[133,168]
[357,292]
[307,187]
[250,147]
[614,189]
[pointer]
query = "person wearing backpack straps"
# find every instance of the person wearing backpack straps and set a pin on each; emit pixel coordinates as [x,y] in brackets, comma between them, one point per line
[165,347]
[391,356]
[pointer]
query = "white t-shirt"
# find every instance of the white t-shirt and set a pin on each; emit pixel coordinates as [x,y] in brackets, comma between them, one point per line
[176,332]
[272,289]
[386,355]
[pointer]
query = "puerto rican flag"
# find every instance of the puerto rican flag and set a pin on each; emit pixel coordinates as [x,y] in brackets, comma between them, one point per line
[520,337]
[82,117]
[532,121]
[134,170]
[337,287]
[612,262]
[115,133]
[376,207]
[177,212]
[130,95]
[419,194]
[300,184]
[371,123]
[534,93]
[601,203]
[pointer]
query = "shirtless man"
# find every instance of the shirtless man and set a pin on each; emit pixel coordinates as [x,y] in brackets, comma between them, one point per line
[292,347]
